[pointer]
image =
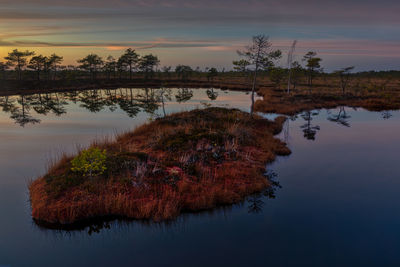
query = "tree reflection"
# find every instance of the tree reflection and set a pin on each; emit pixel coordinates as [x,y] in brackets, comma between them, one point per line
[212,95]
[340,118]
[7,104]
[128,103]
[286,128]
[309,130]
[92,100]
[97,227]
[386,115]
[183,95]
[256,201]
[131,101]
[164,94]
[149,103]
[21,114]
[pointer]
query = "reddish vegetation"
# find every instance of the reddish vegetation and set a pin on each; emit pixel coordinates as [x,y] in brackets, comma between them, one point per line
[373,95]
[184,162]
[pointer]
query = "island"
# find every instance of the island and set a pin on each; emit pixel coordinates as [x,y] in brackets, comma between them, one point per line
[184,162]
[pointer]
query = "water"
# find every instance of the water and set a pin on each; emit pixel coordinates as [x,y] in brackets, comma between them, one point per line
[335,201]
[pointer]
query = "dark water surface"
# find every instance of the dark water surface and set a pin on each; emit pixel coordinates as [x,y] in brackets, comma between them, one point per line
[336,199]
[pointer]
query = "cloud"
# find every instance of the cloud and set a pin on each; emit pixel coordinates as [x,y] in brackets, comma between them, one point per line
[306,12]
[341,27]
[158,43]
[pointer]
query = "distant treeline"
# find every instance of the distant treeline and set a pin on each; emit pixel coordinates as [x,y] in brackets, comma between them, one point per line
[27,65]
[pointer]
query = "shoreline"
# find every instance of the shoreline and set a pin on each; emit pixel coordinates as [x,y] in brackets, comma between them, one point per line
[274,100]
[35,87]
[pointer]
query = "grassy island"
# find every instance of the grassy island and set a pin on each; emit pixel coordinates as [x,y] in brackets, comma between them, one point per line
[278,101]
[184,162]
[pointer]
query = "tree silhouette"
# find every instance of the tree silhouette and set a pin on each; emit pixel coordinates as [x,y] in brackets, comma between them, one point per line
[18,59]
[344,75]
[241,65]
[259,55]
[313,65]
[277,75]
[297,72]
[110,66]
[147,64]
[290,63]
[183,72]
[130,59]
[3,69]
[37,63]
[167,71]
[53,62]
[211,74]
[91,63]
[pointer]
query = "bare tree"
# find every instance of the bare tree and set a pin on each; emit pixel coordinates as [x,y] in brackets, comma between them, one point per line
[259,55]
[290,63]
[344,75]
[297,72]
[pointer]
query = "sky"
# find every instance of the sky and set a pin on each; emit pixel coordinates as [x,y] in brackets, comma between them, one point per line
[207,33]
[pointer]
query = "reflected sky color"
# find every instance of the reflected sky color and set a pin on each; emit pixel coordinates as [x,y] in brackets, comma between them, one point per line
[338,204]
[206,33]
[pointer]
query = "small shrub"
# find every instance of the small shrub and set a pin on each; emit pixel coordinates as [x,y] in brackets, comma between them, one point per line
[90,162]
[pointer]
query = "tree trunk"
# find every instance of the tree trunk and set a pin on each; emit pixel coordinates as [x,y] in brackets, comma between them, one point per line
[253,91]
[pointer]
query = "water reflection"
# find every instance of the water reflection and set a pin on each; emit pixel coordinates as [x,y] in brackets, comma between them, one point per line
[21,113]
[256,202]
[386,115]
[212,95]
[183,95]
[341,118]
[309,130]
[131,101]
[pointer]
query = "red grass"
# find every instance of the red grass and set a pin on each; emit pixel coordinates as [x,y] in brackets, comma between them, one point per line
[221,154]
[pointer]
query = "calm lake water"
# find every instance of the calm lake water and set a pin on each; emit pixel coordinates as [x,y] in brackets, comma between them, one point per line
[335,201]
